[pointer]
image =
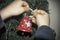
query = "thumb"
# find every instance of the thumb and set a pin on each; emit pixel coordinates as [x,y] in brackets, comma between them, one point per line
[25,4]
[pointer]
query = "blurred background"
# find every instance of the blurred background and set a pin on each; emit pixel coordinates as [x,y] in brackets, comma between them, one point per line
[54,9]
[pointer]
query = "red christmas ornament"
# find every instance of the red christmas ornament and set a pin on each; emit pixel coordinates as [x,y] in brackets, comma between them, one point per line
[25,25]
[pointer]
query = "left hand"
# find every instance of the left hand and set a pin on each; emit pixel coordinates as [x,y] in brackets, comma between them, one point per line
[15,8]
[18,7]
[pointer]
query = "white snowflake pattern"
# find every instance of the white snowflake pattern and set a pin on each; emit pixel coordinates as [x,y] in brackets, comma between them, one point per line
[28,24]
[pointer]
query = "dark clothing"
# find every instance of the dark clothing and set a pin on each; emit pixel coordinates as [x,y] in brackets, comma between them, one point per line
[1,23]
[44,33]
[2,27]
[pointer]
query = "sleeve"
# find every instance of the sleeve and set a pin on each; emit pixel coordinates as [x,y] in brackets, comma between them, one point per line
[44,33]
[2,24]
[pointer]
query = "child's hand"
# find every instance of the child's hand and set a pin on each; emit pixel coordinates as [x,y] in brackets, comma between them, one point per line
[42,17]
[18,7]
[15,8]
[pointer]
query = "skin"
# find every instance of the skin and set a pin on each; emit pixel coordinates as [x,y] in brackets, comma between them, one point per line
[16,8]
[42,17]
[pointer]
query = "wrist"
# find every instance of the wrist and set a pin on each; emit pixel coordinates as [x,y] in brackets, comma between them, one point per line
[5,14]
[41,24]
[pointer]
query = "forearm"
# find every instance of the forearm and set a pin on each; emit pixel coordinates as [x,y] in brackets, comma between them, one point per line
[44,32]
[5,14]
[10,10]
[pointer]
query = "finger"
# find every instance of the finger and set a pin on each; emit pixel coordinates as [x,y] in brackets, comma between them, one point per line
[43,12]
[35,12]
[33,20]
[25,4]
[39,12]
[26,9]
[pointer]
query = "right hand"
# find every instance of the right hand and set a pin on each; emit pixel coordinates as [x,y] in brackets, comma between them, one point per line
[42,17]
